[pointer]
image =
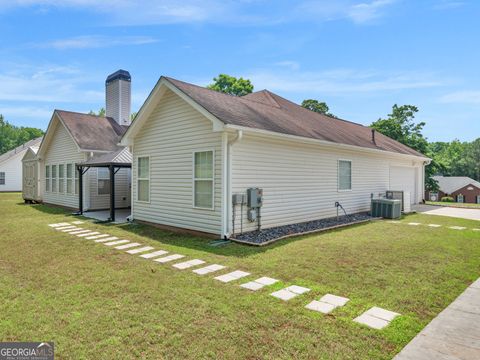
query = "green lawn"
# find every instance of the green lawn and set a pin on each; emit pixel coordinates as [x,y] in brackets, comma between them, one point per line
[454,204]
[96,302]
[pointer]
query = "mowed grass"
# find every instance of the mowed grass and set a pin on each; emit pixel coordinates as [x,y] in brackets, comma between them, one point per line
[96,302]
[454,204]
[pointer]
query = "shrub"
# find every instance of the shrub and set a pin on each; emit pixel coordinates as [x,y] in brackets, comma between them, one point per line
[447,199]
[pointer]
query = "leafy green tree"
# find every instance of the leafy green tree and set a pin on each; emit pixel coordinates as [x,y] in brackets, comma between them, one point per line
[100,112]
[317,106]
[231,85]
[473,159]
[12,136]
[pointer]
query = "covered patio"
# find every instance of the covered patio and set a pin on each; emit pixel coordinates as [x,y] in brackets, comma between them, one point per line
[114,161]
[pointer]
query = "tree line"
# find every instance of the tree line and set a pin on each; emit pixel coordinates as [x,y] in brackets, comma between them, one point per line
[12,136]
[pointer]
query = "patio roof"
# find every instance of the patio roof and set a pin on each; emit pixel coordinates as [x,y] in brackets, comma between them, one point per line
[119,158]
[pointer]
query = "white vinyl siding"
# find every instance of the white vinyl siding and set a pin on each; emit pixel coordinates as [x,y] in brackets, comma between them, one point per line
[103,181]
[171,134]
[12,169]
[122,189]
[300,181]
[47,178]
[344,175]
[203,179]
[143,179]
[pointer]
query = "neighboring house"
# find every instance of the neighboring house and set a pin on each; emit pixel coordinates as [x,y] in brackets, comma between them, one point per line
[193,148]
[11,166]
[460,188]
[31,189]
[74,138]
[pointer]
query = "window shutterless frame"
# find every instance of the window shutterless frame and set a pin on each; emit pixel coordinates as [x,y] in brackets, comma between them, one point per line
[2,178]
[103,174]
[47,178]
[195,179]
[339,161]
[137,178]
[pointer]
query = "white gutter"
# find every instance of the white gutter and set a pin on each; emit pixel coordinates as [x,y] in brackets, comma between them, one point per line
[227,207]
[273,134]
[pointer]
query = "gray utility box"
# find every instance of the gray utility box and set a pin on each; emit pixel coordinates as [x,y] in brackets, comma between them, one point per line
[396,195]
[238,199]
[254,197]
[386,208]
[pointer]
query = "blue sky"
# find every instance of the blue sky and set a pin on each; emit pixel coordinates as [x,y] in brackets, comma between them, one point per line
[361,57]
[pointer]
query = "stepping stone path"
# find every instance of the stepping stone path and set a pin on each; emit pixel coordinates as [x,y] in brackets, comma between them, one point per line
[259,283]
[457,227]
[476,229]
[154,254]
[79,231]
[139,250]
[117,242]
[188,264]
[66,227]
[106,239]
[169,258]
[290,292]
[208,269]
[327,303]
[71,229]
[97,236]
[376,318]
[58,225]
[78,222]
[127,246]
[234,275]
[414,224]
[434,225]
[88,234]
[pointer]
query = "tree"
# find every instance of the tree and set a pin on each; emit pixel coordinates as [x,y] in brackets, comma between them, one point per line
[12,136]
[100,112]
[317,106]
[400,126]
[231,85]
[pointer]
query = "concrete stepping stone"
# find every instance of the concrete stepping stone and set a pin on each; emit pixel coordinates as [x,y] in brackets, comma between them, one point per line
[73,229]
[88,234]
[127,246]
[106,239]
[139,250]
[169,258]
[80,231]
[414,224]
[59,224]
[65,227]
[290,292]
[188,264]
[259,283]
[154,254]
[434,225]
[327,303]
[78,222]
[457,227]
[394,221]
[476,229]
[97,236]
[116,242]
[376,318]
[234,275]
[208,269]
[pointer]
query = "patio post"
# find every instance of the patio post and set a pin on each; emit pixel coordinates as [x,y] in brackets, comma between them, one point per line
[80,189]
[112,192]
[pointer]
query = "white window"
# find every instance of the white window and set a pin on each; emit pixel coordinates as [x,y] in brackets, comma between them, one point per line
[47,178]
[69,178]
[61,178]
[344,175]
[103,181]
[203,179]
[76,179]
[143,179]
[54,178]
[460,198]
[2,178]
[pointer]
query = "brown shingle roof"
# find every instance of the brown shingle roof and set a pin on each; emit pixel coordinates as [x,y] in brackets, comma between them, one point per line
[92,132]
[267,111]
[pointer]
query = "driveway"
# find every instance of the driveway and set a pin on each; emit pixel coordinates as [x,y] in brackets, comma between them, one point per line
[470,214]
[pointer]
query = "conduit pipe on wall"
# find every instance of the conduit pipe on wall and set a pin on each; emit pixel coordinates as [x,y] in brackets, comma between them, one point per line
[228,200]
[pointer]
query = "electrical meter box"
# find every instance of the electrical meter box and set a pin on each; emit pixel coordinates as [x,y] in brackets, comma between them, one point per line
[254,197]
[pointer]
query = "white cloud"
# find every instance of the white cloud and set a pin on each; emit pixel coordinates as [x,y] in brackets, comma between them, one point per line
[25,112]
[462,97]
[366,12]
[340,81]
[292,65]
[96,41]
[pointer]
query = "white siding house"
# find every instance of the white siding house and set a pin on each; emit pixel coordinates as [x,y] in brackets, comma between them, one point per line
[11,166]
[193,148]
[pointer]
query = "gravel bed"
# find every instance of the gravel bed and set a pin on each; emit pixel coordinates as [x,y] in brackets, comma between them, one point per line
[267,235]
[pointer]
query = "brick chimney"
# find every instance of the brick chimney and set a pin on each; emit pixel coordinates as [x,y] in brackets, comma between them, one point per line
[118,96]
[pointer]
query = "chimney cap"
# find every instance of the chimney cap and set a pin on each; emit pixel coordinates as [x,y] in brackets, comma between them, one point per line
[119,75]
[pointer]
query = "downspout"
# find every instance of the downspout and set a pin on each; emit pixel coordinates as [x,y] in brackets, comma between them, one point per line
[228,181]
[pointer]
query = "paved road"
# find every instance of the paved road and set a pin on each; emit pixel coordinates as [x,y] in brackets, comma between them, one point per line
[470,214]
[453,334]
